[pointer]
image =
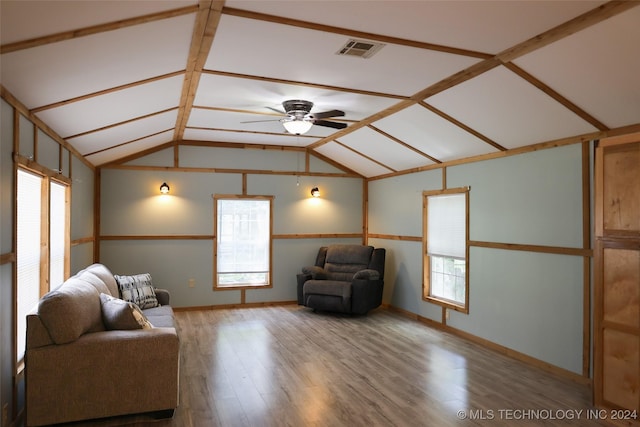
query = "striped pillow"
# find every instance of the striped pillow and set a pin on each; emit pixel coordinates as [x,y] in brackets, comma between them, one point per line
[138,289]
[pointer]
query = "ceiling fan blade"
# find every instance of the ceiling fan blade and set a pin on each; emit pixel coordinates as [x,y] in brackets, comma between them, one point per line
[258,121]
[277,111]
[326,114]
[325,123]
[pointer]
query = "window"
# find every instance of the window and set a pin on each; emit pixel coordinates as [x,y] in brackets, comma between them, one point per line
[445,242]
[243,241]
[42,244]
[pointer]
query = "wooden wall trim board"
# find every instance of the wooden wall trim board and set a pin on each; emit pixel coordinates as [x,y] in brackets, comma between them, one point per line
[97,179]
[232,171]
[559,250]
[586,264]
[7,258]
[211,236]
[82,241]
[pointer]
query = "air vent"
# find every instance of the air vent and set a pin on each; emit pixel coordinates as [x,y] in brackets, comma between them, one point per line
[360,48]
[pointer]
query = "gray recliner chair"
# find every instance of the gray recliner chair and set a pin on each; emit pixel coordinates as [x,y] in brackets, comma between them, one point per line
[344,279]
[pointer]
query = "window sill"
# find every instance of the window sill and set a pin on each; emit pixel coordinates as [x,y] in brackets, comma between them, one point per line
[447,303]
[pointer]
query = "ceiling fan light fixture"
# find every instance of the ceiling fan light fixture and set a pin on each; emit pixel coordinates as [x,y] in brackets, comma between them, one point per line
[297,127]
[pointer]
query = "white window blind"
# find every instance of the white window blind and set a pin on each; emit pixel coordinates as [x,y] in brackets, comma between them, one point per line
[28,251]
[243,237]
[446,225]
[57,232]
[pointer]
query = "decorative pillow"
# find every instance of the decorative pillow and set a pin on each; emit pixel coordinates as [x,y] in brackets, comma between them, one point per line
[119,314]
[318,273]
[138,289]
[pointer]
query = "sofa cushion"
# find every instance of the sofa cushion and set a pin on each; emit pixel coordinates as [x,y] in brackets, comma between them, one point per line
[93,280]
[328,287]
[345,259]
[138,289]
[104,274]
[161,317]
[119,314]
[71,310]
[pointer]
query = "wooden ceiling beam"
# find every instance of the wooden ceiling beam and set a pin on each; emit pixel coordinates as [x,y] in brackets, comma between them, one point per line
[127,142]
[579,23]
[404,144]
[352,33]
[135,119]
[462,126]
[95,29]
[204,31]
[106,91]
[556,96]
[361,154]
[306,84]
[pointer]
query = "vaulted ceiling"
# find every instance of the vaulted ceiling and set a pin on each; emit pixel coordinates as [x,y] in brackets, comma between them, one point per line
[452,79]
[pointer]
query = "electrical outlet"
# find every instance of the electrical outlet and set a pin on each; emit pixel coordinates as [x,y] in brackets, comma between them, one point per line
[192,283]
[5,414]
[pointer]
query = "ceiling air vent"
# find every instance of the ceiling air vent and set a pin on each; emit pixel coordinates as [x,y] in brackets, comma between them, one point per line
[360,48]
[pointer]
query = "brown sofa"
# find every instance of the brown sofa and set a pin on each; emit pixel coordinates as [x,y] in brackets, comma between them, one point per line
[78,366]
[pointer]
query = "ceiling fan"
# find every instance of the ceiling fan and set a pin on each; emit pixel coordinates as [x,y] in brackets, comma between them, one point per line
[299,119]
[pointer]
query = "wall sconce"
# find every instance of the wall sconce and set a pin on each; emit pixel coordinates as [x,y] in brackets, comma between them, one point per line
[315,192]
[164,188]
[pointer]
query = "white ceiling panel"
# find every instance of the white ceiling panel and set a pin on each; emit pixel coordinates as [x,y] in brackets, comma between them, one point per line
[608,59]
[115,107]
[242,138]
[433,135]
[502,106]
[257,48]
[125,133]
[383,149]
[352,160]
[23,20]
[60,71]
[485,26]
[131,148]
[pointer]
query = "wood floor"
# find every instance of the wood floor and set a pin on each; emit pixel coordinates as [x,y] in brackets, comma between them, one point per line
[289,366]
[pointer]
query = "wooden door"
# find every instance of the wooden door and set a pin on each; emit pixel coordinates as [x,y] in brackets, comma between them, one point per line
[617,274]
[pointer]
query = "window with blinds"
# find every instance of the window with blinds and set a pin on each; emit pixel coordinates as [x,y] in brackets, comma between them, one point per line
[29,239]
[446,247]
[42,244]
[243,242]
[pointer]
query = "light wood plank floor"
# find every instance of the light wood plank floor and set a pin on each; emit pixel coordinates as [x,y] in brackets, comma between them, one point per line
[289,366]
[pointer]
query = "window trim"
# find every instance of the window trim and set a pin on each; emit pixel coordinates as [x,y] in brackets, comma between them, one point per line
[217,197]
[426,259]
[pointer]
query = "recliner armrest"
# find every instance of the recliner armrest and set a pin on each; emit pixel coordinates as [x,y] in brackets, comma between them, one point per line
[301,278]
[318,273]
[367,274]
[163,296]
